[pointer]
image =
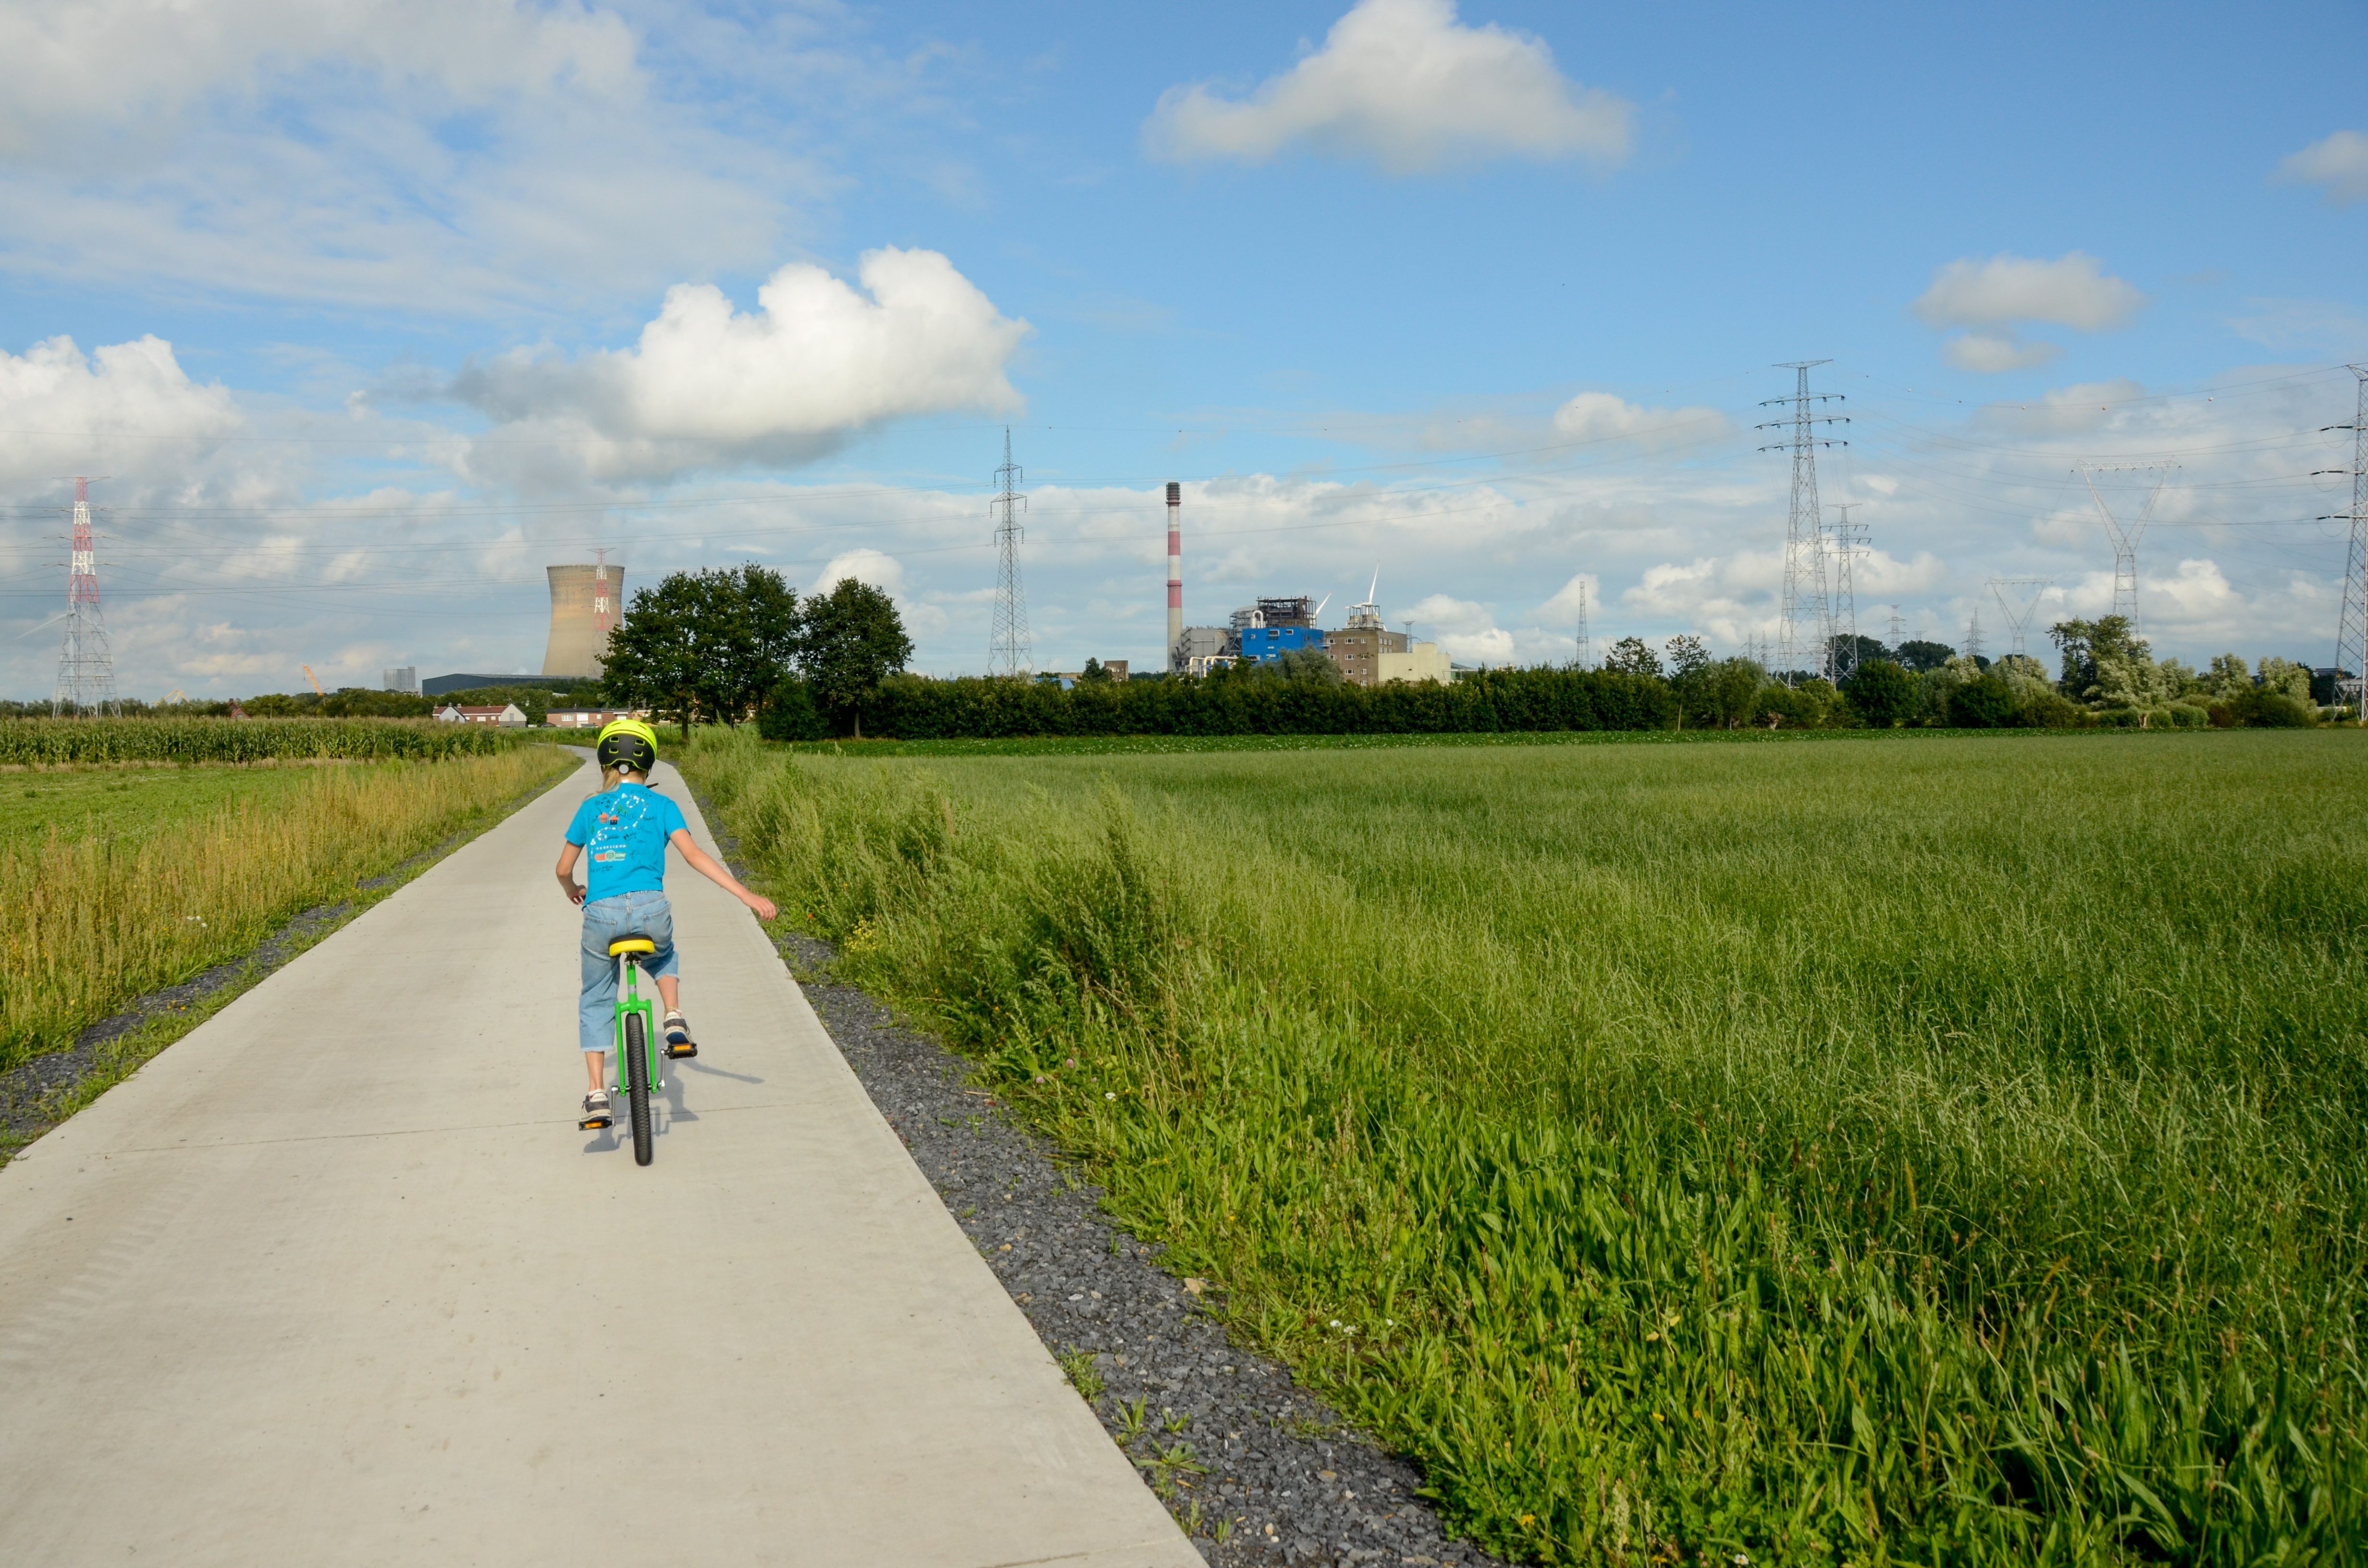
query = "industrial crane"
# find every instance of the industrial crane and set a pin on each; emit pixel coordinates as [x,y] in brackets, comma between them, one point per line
[316,681]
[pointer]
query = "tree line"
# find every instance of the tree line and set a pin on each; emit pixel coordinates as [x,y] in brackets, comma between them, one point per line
[722,646]
[731,646]
[737,644]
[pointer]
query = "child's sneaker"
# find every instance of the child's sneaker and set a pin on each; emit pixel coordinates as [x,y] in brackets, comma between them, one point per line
[677,1037]
[596,1112]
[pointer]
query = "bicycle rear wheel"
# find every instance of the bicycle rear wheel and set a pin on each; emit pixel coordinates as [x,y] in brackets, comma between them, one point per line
[637,1086]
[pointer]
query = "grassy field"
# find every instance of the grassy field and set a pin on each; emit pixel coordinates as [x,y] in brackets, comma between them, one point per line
[1160,745]
[125,804]
[125,879]
[1941,1151]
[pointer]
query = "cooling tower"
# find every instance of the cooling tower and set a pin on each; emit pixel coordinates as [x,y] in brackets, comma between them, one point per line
[585,604]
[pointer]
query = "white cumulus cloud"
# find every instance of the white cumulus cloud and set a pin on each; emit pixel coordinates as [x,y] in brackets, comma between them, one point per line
[815,363]
[1600,416]
[1467,632]
[1990,297]
[2073,291]
[1583,591]
[68,407]
[864,564]
[118,65]
[1407,84]
[2339,164]
[1991,352]
[455,157]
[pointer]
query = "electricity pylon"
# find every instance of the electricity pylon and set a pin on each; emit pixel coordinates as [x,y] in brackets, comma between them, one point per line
[2126,536]
[1008,652]
[85,666]
[2018,600]
[1586,654]
[1805,568]
[2352,620]
[1841,637]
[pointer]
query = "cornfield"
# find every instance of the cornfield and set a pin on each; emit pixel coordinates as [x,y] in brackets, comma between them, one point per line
[53,742]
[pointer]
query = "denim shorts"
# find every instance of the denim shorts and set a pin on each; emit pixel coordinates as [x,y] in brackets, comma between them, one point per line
[627,915]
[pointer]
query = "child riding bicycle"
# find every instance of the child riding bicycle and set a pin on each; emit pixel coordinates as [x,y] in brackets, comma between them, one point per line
[627,827]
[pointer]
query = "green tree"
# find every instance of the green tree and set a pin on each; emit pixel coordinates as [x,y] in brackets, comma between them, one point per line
[2266,709]
[1630,656]
[2287,676]
[711,645]
[1985,702]
[750,640]
[1093,674]
[2225,676]
[853,639]
[654,657]
[1851,652]
[789,713]
[2108,665]
[1689,678]
[1307,663]
[1732,688]
[1920,656]
[1881,693]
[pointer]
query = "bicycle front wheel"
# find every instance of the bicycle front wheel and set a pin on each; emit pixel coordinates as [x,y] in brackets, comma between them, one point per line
[637,1086]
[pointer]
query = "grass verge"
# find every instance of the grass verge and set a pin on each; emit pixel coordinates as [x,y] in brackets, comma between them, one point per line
[114,915]
[1916,1152]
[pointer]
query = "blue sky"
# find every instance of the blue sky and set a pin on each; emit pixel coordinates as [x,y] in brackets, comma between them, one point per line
[371,311]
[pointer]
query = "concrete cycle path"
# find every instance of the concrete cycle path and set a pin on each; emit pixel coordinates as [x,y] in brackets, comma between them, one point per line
[336,1279]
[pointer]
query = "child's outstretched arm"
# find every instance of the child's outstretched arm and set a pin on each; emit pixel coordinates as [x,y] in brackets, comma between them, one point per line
[567,882]
[699,860]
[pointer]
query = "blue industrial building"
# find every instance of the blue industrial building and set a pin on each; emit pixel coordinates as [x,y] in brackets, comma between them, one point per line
[1264,644]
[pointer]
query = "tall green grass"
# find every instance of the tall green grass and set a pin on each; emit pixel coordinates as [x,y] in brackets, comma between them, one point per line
[103,909]
[1910,1153]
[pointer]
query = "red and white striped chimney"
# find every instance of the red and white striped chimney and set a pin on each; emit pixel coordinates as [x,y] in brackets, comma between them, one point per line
[1175,578]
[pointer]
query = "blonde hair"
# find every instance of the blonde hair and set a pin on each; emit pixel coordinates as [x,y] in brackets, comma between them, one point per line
[614,775]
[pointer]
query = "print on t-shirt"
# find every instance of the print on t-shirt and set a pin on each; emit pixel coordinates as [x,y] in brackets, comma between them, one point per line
[624,832]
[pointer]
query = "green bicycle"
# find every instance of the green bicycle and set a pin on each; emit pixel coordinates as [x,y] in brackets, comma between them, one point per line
[637,1052]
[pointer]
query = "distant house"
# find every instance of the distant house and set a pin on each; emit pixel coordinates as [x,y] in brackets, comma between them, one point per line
[509,715]
[581,717]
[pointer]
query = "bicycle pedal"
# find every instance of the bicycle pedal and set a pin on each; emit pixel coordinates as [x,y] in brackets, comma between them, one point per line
[687,1047]
[595,1123]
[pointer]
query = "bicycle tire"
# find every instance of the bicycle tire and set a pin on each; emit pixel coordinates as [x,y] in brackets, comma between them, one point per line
[637,1087]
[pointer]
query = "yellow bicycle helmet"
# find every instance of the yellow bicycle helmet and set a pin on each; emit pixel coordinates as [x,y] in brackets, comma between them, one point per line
[629,743]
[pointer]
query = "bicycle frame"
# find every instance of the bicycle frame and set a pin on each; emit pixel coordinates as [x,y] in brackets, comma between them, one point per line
[630,1000]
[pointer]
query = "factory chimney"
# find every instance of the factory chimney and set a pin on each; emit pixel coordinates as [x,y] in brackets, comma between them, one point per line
[1175,578]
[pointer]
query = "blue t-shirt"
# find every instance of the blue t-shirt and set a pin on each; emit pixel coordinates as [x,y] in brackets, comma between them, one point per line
[626,830]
